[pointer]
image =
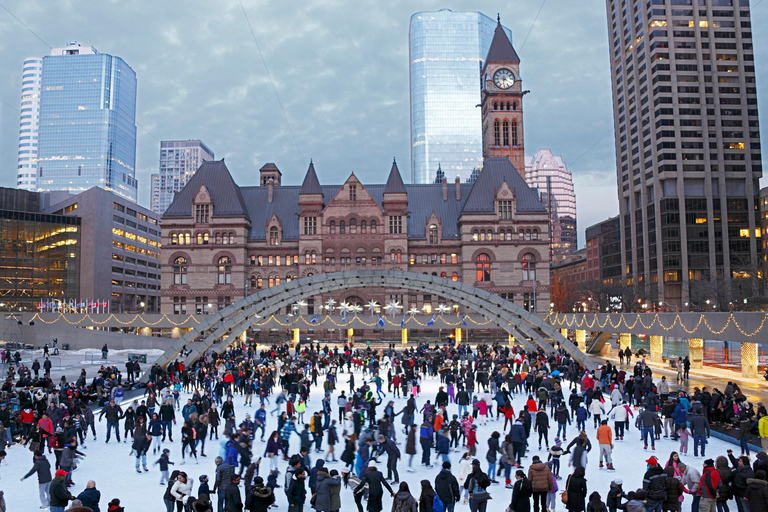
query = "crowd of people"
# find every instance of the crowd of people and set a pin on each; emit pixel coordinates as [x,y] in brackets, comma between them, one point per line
[256,404]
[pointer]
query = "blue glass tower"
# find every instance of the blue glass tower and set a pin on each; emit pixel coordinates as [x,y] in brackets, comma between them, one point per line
[447,50]
[87,127]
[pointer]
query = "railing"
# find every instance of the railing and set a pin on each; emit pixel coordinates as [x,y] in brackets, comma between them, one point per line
[716,353]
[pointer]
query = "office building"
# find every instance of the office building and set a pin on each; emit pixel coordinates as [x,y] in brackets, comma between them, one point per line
[549,174]
[447,50]
[604,254]
[687,146]
[179,160]
[31,76]
[120,248]
[87,127]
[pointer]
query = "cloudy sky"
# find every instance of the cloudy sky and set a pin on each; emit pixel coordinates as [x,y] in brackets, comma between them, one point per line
[341,70]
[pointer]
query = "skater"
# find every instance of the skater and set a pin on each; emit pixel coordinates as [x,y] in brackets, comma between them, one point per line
[164,462]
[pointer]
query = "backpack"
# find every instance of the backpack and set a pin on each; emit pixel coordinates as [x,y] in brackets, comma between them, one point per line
[437,504]
[403,506]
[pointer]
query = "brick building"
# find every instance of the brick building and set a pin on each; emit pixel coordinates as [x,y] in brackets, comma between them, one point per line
[222,241]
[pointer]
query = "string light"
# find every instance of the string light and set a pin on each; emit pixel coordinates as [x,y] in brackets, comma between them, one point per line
[137,318]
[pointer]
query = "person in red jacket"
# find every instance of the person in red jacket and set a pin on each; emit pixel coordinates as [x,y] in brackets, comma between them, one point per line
[709,487]
[27,418]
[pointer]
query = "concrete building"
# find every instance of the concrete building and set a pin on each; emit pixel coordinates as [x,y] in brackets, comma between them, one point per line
[687,146]
[179,160]
[120,248]
[87,127]
[604,252]
[223,241]
[549,174]
[29,114]
[568,278]
[447,50]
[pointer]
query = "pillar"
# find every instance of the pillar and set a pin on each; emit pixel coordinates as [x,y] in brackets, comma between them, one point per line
[749,359]
[696,353]
[350,335]
[625,341]
[296,336]
[564,332]
[244,337]
[404,336]
[581,339]
[457,334]
[511,340]
[657,346]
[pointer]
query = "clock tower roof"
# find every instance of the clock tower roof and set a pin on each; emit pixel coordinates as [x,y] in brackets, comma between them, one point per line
[501,49]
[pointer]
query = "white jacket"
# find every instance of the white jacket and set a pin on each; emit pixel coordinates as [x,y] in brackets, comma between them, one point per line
[596,407]
[619,413]
[182,491]
[616,396]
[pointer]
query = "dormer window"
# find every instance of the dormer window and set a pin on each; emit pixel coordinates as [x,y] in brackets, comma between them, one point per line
[433,237]
[202,213]
[353,192]
[505,209]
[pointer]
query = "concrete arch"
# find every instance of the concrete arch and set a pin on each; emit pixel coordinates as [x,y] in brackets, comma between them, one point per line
[228,323]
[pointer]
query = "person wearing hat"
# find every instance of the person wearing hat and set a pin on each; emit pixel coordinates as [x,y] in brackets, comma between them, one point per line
[114,506]
[60,496]
[375,481]
[655,484]
[710,486]
[260,498]
[615,493]
[447,487]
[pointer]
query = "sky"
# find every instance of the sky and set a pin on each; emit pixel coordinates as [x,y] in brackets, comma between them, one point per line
[340,69]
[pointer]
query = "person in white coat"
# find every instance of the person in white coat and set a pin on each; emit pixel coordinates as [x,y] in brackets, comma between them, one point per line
[619,415]
[182,489]
[596,409]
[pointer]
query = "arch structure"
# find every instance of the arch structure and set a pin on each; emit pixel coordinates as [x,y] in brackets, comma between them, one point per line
[226,325]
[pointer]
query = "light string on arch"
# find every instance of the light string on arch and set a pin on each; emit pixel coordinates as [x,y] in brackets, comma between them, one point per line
[295,321]
[571,321]
[89,320]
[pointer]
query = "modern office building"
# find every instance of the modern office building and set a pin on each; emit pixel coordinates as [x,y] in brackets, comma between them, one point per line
[120,248]
[87,127]
[179,161]
[31,77]
[603,242]
[687,146]
[549,174]
[39,253]
[447,50]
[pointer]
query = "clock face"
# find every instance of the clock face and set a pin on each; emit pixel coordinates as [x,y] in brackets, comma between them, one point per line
[503,78]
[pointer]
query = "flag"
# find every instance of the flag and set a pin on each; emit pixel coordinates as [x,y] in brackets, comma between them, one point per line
[402,322]
[381,321]
[431,320]
[314,319]
[464,321]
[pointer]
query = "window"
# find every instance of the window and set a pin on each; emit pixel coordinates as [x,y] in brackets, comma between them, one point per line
[454,258]
[505,210]
[225,270]
[399,256]
[496,133]
[310,258]
[342,228]
[180,270]
[202,213]
[505,133]
[353,226]
[475,235]
[527,234]
[174,239]
[395,224]
[529,267]
[310,225]
[201,305]
[514,133]
[535,234]
[179,305]
[332,227]
[455,276]
[273,235]
[433,234]
[217,238]
[353,192]
[202,239]
[483,265]
[373,227]
[362,227]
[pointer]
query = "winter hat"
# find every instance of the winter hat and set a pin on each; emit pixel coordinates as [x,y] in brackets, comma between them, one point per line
[618,481]
[558,441]
[762,456]
[166,450]
[61,472]
[203,478]
[258,481]
[709,463]
[653,461]
[59,430]
[247,415]
[371,463]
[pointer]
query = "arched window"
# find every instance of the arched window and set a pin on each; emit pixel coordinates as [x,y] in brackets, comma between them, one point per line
[174,239]
[273,232]
[495,106]
[255,282]
[399,256]
[521,234]
[475,235]
[527,234]
[483,265]
[529,267]
[373,227]
[455,276]
[217,238]
[514,105]
[259,282]
[514,133]
[535,234]
[505,133]
[363,227]
[202,239]
[187,239]
[225,270]
[482,235]
[496,133]
[180,270]
[433,234]
[231,238]
[271,281]
[507,105]
[313,257]
[443,275]
[307,258]
[509,235]
[353,226]
[332,227]
[392,257]
[342,228]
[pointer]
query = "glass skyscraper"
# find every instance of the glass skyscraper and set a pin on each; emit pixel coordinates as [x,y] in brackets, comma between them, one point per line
[87,127]
[31,75]
[447,50]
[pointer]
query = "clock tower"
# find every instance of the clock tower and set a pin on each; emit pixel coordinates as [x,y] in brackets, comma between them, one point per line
[502,102]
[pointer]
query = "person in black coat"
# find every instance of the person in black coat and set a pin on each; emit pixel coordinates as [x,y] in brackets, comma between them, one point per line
[297,493]
[375,481]
[521,493]
[446,486]
[576,485]
[232,499]
[260,497]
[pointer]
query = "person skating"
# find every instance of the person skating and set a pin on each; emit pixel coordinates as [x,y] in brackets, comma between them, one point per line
[140,448]
[42,467]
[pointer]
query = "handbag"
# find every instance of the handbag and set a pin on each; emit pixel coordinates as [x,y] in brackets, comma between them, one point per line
[564,496]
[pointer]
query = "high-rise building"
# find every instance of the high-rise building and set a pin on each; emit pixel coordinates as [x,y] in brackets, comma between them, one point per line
[179,160]
[549,174]
[31,76]
[687,146]
[447,50]
[87,127]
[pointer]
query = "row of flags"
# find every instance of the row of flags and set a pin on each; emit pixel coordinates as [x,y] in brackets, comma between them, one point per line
[73,306]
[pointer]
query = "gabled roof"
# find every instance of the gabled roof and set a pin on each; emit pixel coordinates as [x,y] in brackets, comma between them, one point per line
[311,184]
[501,49]
[395,181]
[495,172]
[227,199]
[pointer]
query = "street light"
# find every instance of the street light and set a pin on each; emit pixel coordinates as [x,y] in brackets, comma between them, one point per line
[210,306]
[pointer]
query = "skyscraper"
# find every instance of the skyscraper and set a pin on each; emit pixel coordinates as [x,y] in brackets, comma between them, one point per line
[549,174]
[31,76]
[87,127]
[687,146]
[179,160]
[447,50]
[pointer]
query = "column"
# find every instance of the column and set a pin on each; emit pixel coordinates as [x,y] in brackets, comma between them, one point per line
[511,340]
[657,344]
[581,339]
[350,335]
[749,359]
[564,332]
[296,337]
[625,341]
[696,353]
[404,336]
[457,334]
[244,337]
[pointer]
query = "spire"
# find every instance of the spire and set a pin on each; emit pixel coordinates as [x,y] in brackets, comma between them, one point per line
[394,182]
[501,49]
[311,184]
